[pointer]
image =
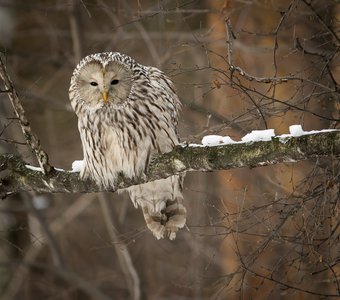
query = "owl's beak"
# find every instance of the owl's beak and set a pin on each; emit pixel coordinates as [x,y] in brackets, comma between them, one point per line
[105,96]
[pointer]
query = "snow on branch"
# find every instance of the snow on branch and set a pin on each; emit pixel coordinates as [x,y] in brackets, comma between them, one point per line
[259,148]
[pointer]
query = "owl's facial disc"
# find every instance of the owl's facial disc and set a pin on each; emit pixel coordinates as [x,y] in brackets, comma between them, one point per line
[117,82]
[105,85]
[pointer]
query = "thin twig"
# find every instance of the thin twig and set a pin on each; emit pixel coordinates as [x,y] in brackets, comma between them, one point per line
[31,138]
[230,38]
[12,141]
[145,35]
[276,34]
[287,285]
[321,20]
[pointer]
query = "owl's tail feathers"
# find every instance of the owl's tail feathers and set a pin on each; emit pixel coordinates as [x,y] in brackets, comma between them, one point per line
[167,221]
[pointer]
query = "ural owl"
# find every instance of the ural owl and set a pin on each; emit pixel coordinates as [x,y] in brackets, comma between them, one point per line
[127,114]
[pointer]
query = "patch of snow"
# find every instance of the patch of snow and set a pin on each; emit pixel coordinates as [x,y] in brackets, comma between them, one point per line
[38,169]
[192,145]
[296,130]
[213,140]
[77,165]
[228,140]
[256,136]
[259,135]
[33,168]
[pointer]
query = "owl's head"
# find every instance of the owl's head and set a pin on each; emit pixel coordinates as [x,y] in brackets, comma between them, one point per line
[103,80]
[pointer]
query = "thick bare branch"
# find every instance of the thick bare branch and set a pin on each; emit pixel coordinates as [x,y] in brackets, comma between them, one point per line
[16,177]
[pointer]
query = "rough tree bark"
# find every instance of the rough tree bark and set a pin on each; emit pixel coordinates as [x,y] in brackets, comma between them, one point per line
[16,177]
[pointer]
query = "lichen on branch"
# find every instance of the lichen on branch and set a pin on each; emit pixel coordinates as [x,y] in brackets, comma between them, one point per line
[16,177]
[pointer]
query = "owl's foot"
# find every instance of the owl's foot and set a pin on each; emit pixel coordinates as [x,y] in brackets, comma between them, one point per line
[166,222]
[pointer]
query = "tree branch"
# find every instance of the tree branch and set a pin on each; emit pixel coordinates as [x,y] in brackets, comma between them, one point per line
[16,177]
[31,138]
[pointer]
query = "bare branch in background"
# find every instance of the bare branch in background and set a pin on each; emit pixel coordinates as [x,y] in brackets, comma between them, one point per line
[75,31]
[72,278]
[57,257]
[32,253]
[31,139]
[123,254]
[230,38]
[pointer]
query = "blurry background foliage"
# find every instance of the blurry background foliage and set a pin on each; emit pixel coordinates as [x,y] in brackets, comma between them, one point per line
[264,233]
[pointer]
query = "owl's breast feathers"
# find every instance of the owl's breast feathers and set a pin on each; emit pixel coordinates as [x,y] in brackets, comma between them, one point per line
[125,140]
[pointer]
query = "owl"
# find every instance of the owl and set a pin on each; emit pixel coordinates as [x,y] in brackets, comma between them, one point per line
[127,115]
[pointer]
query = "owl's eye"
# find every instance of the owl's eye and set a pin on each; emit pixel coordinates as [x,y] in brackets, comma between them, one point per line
[114,81]
[93,83]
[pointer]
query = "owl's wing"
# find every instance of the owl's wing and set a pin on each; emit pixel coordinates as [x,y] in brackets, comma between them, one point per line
[168,92]
[84,172]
